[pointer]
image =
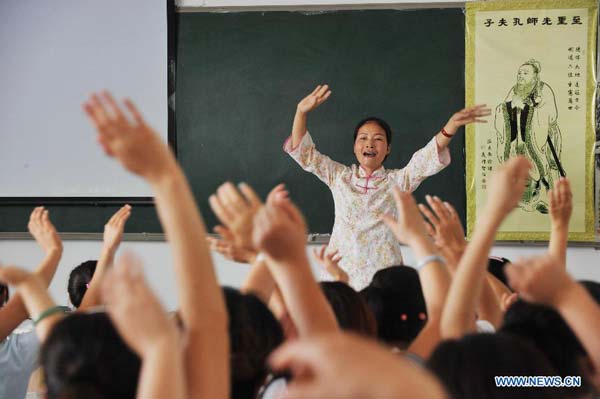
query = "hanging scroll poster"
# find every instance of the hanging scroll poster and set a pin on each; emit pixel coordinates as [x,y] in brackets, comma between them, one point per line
[532,62]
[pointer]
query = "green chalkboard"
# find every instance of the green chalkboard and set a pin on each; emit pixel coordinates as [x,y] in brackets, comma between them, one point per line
[239,76]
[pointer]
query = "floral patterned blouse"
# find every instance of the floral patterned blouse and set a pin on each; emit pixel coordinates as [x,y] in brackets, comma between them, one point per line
[363,240]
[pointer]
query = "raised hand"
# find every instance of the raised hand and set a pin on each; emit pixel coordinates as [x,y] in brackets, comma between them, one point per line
[409,228]
[319,95]
[113,229]
[42,229]
[146,328]
[236,210]
[16,276]
[561,203]
[444,224]
[539,279]
[506,187]
[137,314]
[225,245]
[315,363]
[127,137]
[465,116]
[280,232]
[330,262]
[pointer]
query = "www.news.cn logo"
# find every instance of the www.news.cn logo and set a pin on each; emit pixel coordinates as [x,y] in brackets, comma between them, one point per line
[537,381]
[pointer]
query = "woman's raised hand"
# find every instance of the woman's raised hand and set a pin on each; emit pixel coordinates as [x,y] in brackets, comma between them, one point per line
[319,95]
[475,114]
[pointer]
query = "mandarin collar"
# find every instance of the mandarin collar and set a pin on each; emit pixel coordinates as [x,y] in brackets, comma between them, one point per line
[377,173]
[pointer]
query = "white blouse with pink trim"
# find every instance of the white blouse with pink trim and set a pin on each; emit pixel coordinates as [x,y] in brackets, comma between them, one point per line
[363,240]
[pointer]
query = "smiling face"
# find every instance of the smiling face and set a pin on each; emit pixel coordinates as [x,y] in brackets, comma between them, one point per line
[371,146]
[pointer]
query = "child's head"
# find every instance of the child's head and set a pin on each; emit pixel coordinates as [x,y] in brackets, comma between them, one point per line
[79,280]
[84,353]
[4,295]
[253,333]
[396,298]
[467,366]
[372,141]
[351,310]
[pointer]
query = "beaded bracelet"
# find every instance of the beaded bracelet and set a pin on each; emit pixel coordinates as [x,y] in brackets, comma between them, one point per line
[445,133]
[429,259]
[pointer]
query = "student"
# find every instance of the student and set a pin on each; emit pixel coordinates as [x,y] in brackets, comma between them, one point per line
[18,352]
[362,194]
[86,279]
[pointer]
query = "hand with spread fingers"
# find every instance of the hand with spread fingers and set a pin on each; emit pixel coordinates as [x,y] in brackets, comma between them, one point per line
[236,209]
[318,96]
[280,232]
[225,245]
[409,227]
[475,114]
[330,262]
[235,244]
[44,232]
[444,224]
[127,137]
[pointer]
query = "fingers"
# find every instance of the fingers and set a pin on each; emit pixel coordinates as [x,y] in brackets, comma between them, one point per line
[389,221]
[137,116]
[220,210]
[322,91]
[120,216]
[291,211]
[114,111]
[316,90]
[451,211]
[224,232]
[251,196]
[278,193]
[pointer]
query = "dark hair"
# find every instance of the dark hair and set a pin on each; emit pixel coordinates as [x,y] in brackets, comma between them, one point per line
[4,294]
[496,268]
[467,367]
[396,298]
[351,310]
[593,288]
[547,330]
[382,124]
[253,333]
[79,279]
[84,353]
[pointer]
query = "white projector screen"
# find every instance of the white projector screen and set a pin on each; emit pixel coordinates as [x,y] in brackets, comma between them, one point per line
[54,54]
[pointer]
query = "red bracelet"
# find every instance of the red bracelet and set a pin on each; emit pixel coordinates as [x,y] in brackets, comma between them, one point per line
[445,133]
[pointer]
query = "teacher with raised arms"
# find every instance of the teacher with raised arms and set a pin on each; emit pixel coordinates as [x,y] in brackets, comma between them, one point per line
[362,193]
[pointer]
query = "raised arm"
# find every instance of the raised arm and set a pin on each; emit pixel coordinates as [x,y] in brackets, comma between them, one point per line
[448,235]
[506,188]
[202,306]
[330,262]
[319,95]
[44,233]
[32,290]
[113,234]
[544,280]
[561,207]
[409,228]
[461,118]
[146,328]
[280,233]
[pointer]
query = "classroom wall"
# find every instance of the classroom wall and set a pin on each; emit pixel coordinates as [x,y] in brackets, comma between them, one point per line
[583,263]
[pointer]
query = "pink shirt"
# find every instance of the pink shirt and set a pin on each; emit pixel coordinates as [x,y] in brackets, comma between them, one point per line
[363,240]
